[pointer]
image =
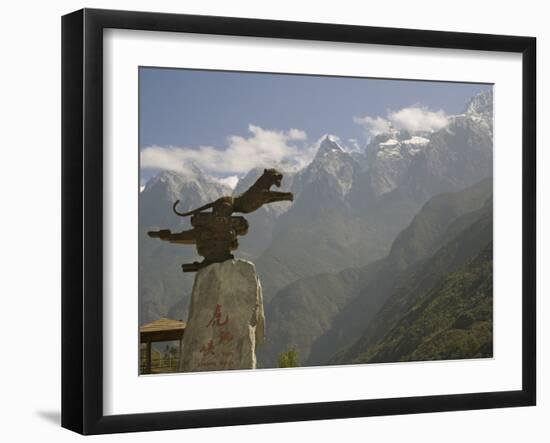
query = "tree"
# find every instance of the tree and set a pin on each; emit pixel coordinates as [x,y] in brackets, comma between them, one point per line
[288,359]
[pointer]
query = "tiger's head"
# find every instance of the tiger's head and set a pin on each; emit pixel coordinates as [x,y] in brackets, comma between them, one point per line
[271,177]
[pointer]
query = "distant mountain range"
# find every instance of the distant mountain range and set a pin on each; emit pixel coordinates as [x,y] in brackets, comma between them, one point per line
[361,224]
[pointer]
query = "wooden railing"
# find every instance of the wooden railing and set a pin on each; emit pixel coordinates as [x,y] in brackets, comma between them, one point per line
[160,364]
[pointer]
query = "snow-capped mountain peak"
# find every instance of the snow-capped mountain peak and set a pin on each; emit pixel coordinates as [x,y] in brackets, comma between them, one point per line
[416,140]
[173,185]
[479,110]
[399,145]
[330,173]
[480,104]
[329,147]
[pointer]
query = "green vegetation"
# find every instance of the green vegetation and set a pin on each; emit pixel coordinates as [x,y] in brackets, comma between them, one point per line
[288,359]
[453,320]
[417,283]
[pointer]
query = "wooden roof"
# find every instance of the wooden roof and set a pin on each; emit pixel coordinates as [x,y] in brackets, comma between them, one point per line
[163,329]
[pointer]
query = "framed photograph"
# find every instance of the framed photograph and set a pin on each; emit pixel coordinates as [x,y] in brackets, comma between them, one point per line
[268,221]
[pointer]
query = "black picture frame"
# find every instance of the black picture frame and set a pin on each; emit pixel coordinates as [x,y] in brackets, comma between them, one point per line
[82,218]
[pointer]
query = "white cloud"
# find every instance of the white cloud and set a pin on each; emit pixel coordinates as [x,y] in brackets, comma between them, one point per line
[165,158]
[418,119]
[263,148]
[373,125]
[296,134]
[230,181]
[413,119]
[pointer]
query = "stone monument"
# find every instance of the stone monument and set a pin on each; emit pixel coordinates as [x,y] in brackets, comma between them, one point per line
[226,316]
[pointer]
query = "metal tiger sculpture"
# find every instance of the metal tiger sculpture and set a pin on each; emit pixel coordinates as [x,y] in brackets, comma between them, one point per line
[215,233]
[255,197]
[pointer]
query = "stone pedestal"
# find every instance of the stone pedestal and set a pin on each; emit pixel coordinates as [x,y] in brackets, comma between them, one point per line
[226,318]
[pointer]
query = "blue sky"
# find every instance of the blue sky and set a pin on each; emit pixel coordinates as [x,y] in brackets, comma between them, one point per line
[208,112]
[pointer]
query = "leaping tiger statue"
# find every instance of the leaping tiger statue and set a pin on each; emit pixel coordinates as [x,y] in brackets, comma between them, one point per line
[215,233]
[255,197]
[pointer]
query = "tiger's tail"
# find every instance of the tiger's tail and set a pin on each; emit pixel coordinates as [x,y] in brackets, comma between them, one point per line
[194,211]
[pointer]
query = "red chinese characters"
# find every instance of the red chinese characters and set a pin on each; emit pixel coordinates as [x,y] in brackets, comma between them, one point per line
[208,349]
[222,337]
[216,318]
